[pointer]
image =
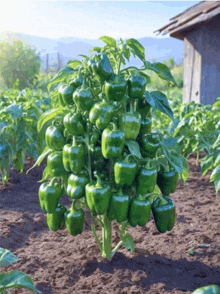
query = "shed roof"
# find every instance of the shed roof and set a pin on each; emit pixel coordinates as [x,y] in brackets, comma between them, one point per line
[181,23]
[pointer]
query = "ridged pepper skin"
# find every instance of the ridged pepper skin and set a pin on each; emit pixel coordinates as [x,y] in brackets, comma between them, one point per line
[101,114]
[76,185]
[167,182]
[139,211]
[146,180]
[60,89]
[55,164]
[125,172]
[118,207]
[150,144]
[129,123]
[211,289]
[54,137]
[83,98]
[73,157]
[144,108]
[146,126]
[136,86]
[74,220]
[164,213]
[98,196]
[73,123]
[112,142]
[102,67]
[49,195]
[115,88]
[56,219]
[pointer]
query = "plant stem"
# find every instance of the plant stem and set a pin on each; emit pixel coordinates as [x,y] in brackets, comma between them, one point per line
[106,238]
[95,236]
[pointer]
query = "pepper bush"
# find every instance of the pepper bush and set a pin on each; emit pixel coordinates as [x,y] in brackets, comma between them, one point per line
[101,150]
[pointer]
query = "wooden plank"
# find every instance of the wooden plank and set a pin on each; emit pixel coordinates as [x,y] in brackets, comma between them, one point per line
[187,70]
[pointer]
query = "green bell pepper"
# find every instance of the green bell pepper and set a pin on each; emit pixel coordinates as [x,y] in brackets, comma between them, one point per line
[74,124]
[102,67]
[167,181]
[150,144]
[66,94]
[54,137]
[125,171]
[146,126]
[77,82]
[144,108]
[210,289]
[112,142]
[73,157]
[55,164]
[139,211]
[76,185]
[56,219]
[146,180]
[164,213]
[118,207]
[49,195]
[101,114]
[136,86]
[129,123]
[98,196]
[115,88]
[83,98]
[74,220]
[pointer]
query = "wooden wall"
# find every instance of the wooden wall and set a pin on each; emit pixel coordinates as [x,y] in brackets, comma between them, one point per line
[202,63]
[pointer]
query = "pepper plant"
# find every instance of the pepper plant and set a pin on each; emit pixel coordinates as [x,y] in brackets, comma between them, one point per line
[101,150]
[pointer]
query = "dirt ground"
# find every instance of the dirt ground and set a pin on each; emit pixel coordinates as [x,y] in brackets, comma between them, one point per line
[174,262]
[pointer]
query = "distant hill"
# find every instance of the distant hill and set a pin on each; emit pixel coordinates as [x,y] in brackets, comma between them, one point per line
[70,47]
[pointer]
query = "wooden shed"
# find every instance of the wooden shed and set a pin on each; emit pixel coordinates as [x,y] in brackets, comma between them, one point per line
[199,28]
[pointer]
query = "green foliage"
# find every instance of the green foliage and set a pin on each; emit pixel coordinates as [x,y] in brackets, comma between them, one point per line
[19,64]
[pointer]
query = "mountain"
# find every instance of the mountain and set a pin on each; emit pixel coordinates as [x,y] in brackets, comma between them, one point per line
[70,47]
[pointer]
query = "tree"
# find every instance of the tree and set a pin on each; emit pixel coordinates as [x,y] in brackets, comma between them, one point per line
[18,61]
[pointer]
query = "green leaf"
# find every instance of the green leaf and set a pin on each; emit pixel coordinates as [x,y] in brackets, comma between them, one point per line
[146,76]
[15,279]
[159,101]
[217,184]
[185,172]
[109,41]
[161,70]
[128,242]
[48,115]
[134,148]
[46,152]
[137,48]
[97,49]
[61,75]
[217,142]
[207,163]
[174,159]
[46,174]
[74,63]
[215,173]
[14,110]
[6,257]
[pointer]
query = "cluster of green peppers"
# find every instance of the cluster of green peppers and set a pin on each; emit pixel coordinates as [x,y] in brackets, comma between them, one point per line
[98,130]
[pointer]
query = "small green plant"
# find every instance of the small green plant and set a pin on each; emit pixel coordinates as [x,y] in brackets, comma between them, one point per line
[13,279]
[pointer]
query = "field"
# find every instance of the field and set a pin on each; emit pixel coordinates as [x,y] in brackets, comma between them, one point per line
[174,262]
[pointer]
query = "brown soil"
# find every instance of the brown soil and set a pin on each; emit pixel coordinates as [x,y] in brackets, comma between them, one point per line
[161,263]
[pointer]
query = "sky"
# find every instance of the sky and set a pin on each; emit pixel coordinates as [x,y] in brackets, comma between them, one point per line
[88,19]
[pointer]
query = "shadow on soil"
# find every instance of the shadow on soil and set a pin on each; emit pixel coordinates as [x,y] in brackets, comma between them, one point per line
[175,274]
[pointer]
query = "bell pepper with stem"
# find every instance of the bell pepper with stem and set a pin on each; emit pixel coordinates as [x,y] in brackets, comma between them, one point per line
[118,207]
[66,93]
[101,114]
[150,144]
[55,164]
[146,125]
[129,123]
[73,156]
[77,81]
[144,108]
[164,213]
[136,86]
[76,185]
[102,67]
[54,137]
[74,220]
[49,195]
[83,97]
[112,142]
[167,181]
[125,171]
[56,219]
[73,123]
[98,196]
[146,179]
[115,88]
[139,211]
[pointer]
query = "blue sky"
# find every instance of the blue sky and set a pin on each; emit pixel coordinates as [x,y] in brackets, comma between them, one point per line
[88,19]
